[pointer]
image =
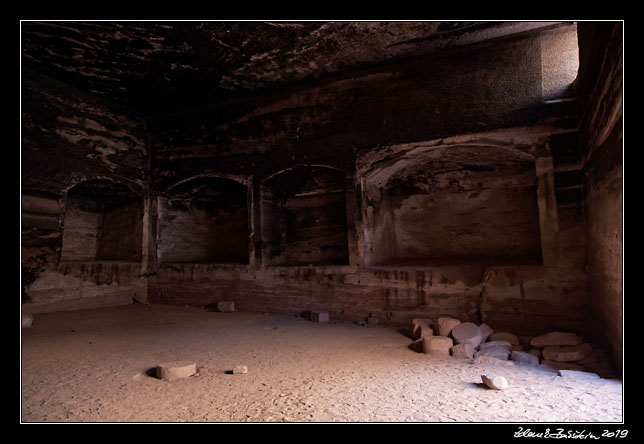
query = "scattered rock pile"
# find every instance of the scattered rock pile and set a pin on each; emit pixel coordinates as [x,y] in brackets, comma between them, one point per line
[558,350]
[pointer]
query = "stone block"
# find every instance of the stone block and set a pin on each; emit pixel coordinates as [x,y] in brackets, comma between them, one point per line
[319,316]
[536,352]
[556,338]
[437,345]
[568,353]
[504,344]
[417,324]
[498,352]
[524,358]
[226,306]
[445,325]
[171,371]
[463,351]
[467,333]
[505,336]
[486,331]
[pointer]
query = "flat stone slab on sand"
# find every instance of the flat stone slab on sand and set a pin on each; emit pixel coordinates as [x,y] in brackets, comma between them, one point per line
[171,371]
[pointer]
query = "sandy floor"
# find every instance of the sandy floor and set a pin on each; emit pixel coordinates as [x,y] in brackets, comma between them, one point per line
[92,366]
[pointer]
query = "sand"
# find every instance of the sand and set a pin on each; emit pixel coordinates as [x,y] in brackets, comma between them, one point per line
[95,366]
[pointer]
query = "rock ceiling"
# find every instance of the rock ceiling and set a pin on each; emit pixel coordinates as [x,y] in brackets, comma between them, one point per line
[164,66]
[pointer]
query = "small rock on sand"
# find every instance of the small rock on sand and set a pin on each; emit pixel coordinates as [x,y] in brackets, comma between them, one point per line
[495,382]
[240,370]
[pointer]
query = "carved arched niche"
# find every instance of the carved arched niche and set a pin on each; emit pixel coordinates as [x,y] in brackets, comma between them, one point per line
[304,217]
[102,222]
[456,205]
[204,220]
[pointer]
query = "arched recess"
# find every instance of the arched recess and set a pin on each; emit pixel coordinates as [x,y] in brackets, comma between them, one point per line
[102,222]
[452,205]
[204,220]
[304,217]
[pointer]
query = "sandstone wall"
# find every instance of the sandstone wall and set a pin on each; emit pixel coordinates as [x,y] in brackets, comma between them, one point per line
[601,130]
[68,138]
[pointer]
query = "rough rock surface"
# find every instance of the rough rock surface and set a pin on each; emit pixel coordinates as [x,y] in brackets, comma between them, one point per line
[463,351]
[524,358]
[486,331]
[467,333]
[498,352]
[504,336]
[504,344]
[445,325]
[567,354]
[437,345]
[556,338]
[171,371]
[536,352]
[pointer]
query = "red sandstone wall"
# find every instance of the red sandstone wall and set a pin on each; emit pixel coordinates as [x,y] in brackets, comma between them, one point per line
[488,95]
[601,128]
[491,96]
